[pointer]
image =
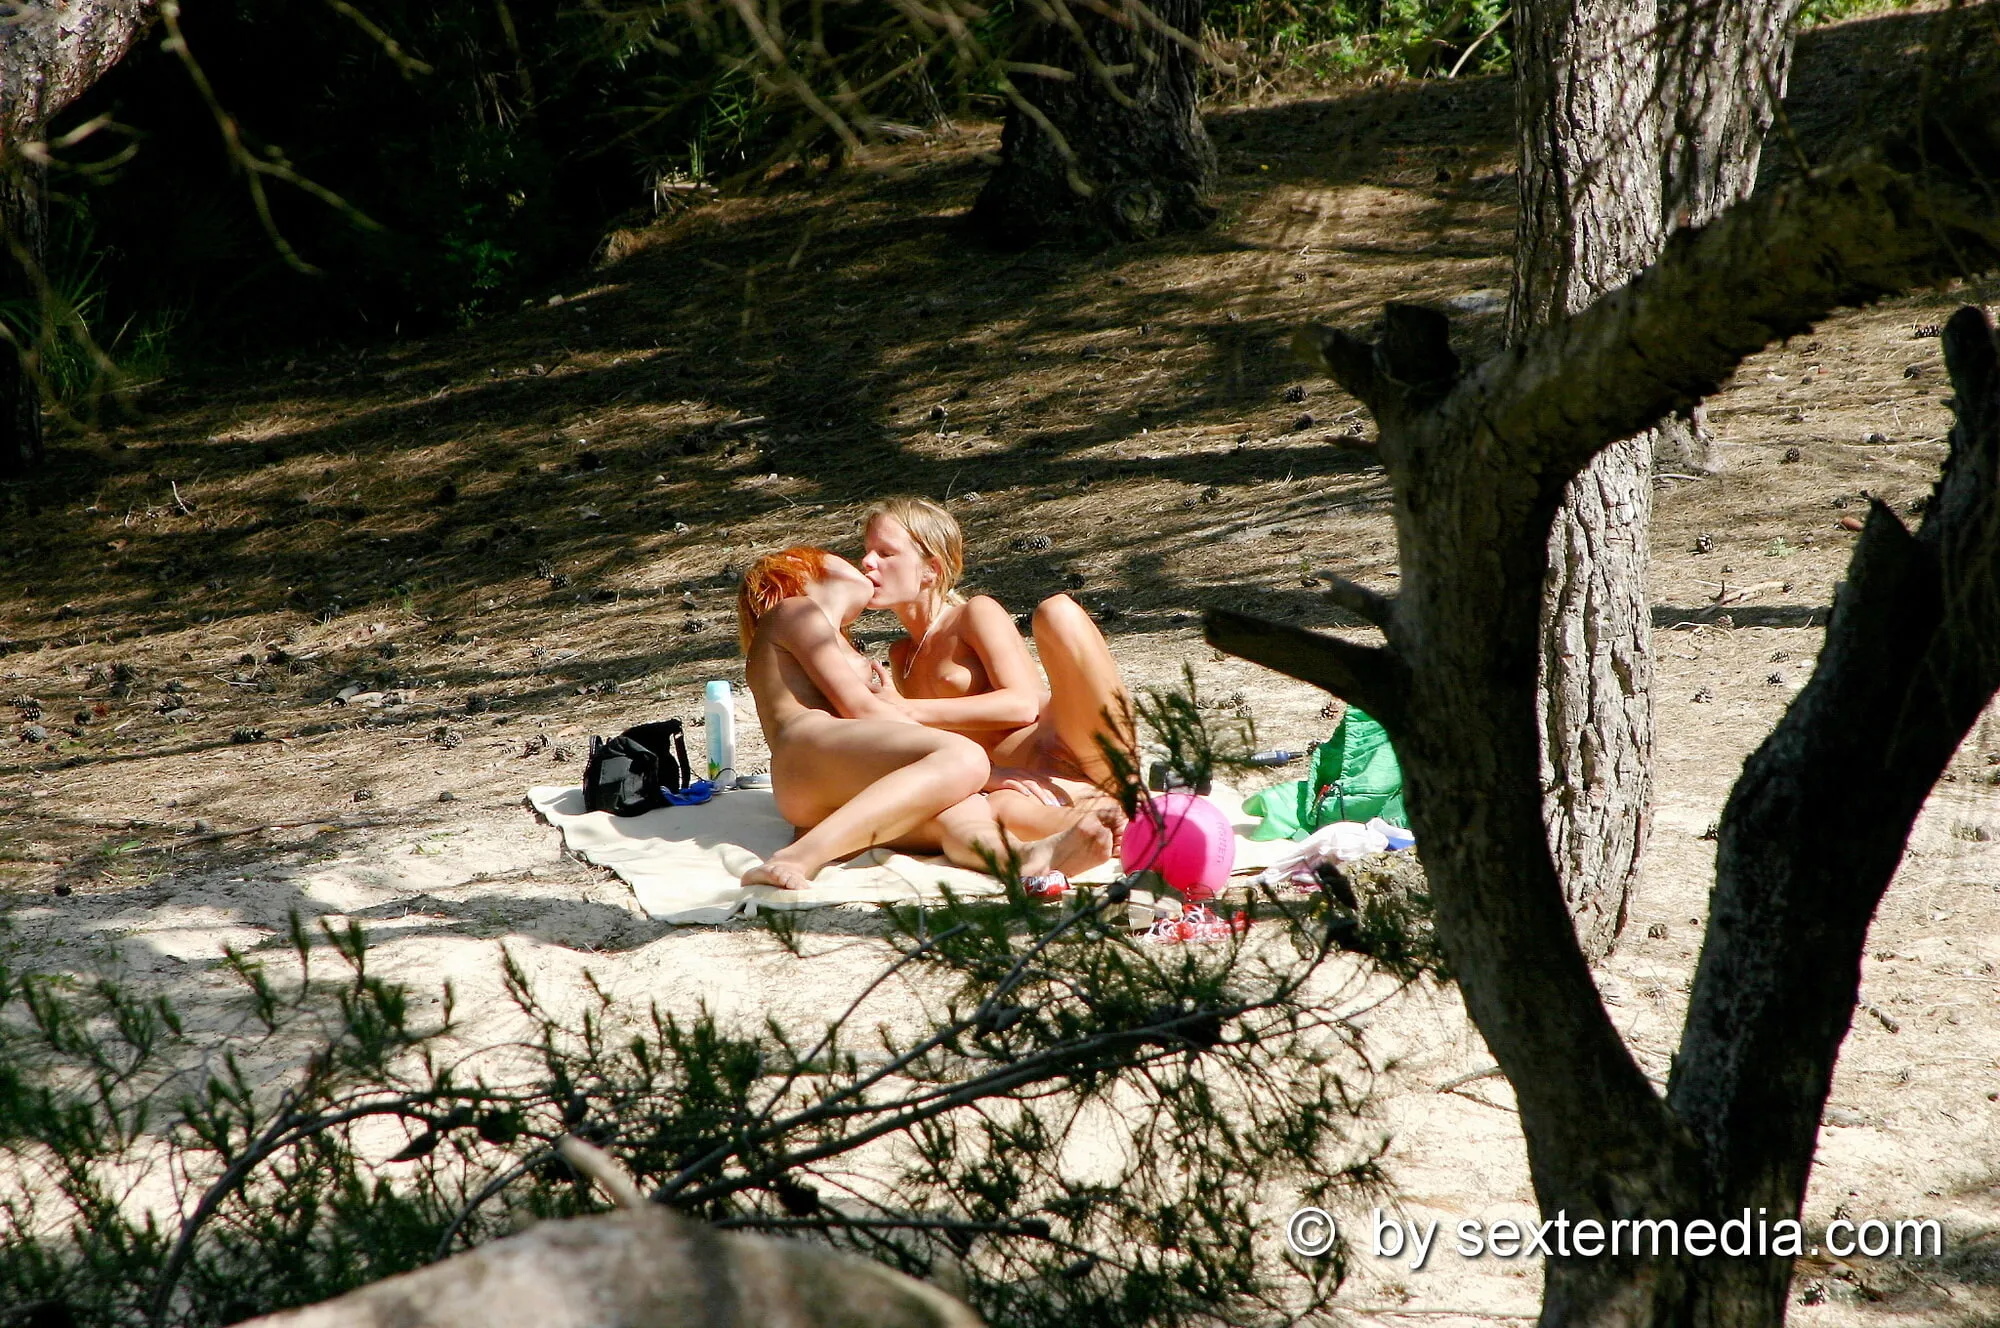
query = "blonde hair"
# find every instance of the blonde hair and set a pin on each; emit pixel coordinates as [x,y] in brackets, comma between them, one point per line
[936,534]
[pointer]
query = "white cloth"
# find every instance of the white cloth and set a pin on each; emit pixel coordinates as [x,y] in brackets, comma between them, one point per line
[1340,841]
[683,863]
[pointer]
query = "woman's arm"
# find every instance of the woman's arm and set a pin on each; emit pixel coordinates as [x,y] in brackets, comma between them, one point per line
[809,638]
[1015,699]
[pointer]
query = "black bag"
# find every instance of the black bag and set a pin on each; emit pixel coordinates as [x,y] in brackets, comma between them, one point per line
[624,775]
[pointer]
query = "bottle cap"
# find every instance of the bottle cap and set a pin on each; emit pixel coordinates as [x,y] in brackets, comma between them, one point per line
[717,690]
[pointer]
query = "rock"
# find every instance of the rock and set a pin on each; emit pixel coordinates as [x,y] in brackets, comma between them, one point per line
[1851,523]
[447,796]
[1843,1118]
[639,1266]
[1303,422]
[180,715]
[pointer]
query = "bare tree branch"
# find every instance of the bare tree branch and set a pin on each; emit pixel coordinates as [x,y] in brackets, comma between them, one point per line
[1912,658]
[1346,359]
[1767,268]
[1369,676]
[1358,599]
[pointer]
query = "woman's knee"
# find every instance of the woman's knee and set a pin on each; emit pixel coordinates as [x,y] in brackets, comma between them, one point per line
[1061,618]
[961,763]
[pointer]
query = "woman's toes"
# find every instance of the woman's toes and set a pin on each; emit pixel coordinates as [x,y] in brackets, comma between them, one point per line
[782,875]
[1082,846]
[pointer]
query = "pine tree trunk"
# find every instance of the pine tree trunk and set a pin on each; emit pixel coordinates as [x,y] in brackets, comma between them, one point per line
[1480,462]
[1635,120]
[1589,115]
[1106,139]
[23,226]
[49,53]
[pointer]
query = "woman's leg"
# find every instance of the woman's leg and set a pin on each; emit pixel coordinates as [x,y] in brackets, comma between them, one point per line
[978,834]
[857,783]
[1088,704]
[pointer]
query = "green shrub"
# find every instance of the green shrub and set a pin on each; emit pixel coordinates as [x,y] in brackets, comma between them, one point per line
[1220,1077]
[83,362]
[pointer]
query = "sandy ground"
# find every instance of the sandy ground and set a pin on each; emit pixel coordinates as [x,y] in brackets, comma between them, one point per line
[616,456]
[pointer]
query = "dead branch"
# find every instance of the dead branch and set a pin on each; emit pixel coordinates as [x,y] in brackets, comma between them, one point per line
[592,1161]
[1765,269]
[1369,676]
[1358,599]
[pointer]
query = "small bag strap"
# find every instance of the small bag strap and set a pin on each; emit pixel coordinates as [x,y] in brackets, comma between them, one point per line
[681,754]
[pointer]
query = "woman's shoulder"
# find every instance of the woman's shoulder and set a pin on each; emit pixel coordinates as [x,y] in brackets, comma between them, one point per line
[986,611]
[788,617]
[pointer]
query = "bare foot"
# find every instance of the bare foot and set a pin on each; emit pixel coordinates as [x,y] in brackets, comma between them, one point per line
[1077,849]
[783,875]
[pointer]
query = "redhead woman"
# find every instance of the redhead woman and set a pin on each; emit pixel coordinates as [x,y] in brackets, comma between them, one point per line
[963,667]
[850,766]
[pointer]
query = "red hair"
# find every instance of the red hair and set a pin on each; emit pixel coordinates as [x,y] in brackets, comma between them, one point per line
[773,579]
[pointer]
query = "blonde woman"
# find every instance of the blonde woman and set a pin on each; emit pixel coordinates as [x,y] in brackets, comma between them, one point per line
[963,667]
[850,766]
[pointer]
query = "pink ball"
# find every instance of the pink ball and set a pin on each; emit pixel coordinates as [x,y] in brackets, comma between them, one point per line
[1186,839]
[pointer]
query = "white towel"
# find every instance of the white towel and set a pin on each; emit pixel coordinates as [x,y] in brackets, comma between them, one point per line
[683,863]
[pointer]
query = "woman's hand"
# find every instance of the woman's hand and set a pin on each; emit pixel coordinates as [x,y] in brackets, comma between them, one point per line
[1021,782]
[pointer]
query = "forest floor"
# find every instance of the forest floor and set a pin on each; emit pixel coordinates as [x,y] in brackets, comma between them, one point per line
[529,532]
